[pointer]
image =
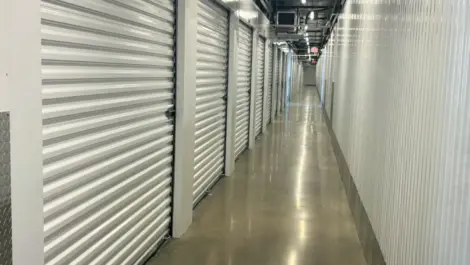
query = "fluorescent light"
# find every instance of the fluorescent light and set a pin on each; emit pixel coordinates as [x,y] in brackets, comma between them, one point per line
[306,27]
[304,2]
[311,15]
[246,14]
[306,34]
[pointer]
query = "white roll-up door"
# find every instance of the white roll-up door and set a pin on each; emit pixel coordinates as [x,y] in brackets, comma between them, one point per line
[259,86]
[211,93]
[245,43]
[107,89]
[282,85]
[276,81]
[270,82]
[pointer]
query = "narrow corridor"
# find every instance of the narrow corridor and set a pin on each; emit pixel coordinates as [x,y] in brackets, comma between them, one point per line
[285,204]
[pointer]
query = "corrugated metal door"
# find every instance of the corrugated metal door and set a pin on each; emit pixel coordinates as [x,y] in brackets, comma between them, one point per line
[107,83]
[284,80]
[245,43]
[281,81]
[259,87]
[211,93]
[276,80]
[270,82]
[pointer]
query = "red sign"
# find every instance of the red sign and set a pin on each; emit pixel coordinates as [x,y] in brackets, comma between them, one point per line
[314,49]
[314,62]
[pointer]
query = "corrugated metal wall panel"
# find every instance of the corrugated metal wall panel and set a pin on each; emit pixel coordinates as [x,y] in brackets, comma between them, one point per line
[107,74]
[211,93]
[242,124]
[270,82]
[400,113]
[259,86]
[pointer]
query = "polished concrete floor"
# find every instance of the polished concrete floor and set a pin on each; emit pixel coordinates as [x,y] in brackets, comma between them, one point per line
[285,203]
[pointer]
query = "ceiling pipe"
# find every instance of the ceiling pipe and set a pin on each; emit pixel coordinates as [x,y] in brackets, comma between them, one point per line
[305,7]
[265,7]
[339,4]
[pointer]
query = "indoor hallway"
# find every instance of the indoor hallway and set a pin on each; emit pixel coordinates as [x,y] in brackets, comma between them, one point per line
[285,204]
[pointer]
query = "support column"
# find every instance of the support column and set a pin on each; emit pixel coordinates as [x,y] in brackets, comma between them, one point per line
[24,85]
[254,70]
[231,95]
[185,119]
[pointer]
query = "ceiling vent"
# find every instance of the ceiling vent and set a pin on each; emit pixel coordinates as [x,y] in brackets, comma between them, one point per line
[286,18]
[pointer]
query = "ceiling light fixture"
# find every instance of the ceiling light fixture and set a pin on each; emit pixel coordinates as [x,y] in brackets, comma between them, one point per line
[304,2]
[306,27]
[311,16]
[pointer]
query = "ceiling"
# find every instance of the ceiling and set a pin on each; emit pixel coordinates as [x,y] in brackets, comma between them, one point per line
[317,30]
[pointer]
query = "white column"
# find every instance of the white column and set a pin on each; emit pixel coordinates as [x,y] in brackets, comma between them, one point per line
[231,95]
[254,70]
[185,117]
[24,81]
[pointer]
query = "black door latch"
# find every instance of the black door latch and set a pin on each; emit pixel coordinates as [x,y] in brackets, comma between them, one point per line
[170,113]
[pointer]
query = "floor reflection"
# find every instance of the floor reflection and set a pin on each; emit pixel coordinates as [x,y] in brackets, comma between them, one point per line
[284,205]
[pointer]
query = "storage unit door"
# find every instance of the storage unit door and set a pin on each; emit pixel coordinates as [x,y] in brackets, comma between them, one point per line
[276,81]
[283,78]
[107,83]
[211,93]
[245,43]
[279,84]
[270,83]
[259,87]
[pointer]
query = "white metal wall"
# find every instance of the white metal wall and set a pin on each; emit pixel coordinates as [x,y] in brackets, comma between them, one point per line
[270,82]
[211,95]
[260,86]
[3,56]
[245,50]
[310,75]
[320,76]
[329,55]
[401,115]
[107,75]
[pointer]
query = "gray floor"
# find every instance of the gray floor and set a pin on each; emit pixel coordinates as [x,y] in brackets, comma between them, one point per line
[285,204]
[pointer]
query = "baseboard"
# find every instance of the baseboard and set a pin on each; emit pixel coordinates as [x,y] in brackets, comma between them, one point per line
[5,191]
[372,252]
